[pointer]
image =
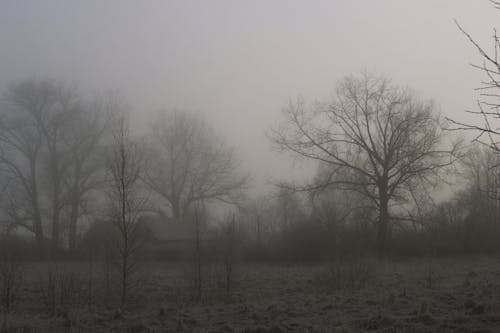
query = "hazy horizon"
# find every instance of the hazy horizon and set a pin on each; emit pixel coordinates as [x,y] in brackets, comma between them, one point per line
[238,63]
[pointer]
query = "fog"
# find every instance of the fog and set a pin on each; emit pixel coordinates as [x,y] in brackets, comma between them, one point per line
[249,166]
[238,63]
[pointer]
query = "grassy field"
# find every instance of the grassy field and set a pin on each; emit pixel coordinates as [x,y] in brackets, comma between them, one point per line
[440,295]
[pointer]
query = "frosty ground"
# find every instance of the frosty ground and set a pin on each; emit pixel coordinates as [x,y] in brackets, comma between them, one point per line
[424,295]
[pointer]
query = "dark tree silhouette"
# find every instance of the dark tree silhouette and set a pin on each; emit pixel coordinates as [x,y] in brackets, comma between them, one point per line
[380,137]
[126,203]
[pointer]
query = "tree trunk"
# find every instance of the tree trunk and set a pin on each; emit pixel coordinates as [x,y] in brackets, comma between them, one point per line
[176,209]
[383,226]
[37,224]
[75,205]
[72,225]
[56,177]
[55,222]
[37,218]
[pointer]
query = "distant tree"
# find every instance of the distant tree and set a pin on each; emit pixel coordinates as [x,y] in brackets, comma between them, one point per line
[480,170]
[336,208]
[84,145]
[48,153]
[32,127]
[258,218]
[288,207]
[188,163]
[229,240]
[125,200]
[54,125]
[379,136]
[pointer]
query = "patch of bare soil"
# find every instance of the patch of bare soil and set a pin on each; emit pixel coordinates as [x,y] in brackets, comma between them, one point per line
[419,296]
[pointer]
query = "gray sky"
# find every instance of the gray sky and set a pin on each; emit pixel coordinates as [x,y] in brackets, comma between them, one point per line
[239,61]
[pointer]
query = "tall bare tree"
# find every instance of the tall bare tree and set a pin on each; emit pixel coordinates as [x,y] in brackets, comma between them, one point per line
[46,141]
[125,200]
[380,137]
[24,105]
[84,145]
[189,163]
[54,125]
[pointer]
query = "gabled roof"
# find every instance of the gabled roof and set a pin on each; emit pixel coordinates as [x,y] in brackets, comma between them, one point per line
[167,229]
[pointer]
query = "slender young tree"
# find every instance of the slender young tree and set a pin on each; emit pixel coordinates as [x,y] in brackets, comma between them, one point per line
[126,203]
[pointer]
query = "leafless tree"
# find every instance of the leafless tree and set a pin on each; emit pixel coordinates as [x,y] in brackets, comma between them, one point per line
[54,126]
[489,92]
[189,163]
[229,251]
[379,136]
[126,202]
[483,179]
[259,218]
[199,216]
[288,207]
[336,208]
[85,170]
[20,153]
[48,140]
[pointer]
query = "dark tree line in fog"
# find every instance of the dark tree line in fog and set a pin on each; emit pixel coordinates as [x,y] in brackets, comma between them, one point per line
[70,163]
[392,175]
[375,139]
[63,157]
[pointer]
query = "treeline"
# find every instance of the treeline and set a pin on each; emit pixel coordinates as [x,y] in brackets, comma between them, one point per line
[68,160]
[70,164]
[312,227]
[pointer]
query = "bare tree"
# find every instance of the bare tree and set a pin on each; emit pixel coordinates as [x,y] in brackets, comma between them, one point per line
[488,102]
[54,127]
[125,201]
[379,136]
[483,177]
[288,207]
[84,174]
[337,209]
[189,163]
[199,221]
[229,251]
[258,217]
[20,154]
[35,124]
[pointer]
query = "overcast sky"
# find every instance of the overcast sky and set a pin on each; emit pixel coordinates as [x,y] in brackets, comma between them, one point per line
[239,61]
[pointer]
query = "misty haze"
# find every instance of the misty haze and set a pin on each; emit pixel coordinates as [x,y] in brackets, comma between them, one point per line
[249,166]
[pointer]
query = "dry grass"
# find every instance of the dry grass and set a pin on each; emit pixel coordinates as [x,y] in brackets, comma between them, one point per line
[346,275]
[459,295]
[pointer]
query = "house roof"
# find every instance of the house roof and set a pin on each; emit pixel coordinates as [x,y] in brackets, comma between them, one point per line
[166,229]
